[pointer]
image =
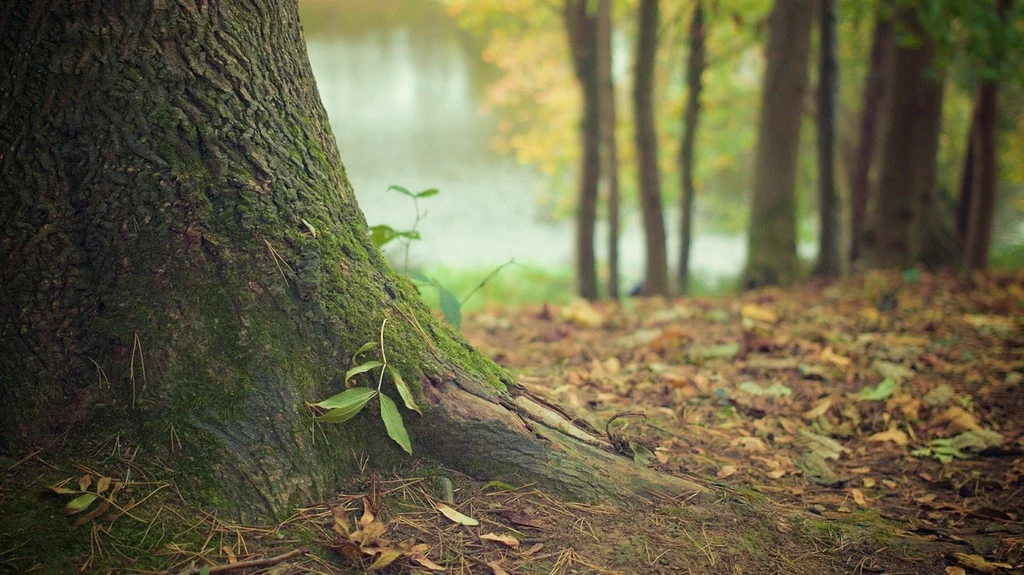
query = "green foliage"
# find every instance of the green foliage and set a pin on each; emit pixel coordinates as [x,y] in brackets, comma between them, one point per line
[381,235]
[451,306]
[347,404]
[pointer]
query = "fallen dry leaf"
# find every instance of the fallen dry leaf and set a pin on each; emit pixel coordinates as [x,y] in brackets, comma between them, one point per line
[455,516]
[757,313]
[506,539]
[894,435]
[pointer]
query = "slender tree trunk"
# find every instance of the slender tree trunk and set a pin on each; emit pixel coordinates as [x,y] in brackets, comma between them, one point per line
[771,254]
[985,167]
[829,262]
[183,258]
[609,147]
[656,281]
[581,27]
[963,204]
[983,178]
[907,220]
[873,98]
[695,63]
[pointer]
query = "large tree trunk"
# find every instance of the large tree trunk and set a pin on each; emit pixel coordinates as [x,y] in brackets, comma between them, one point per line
[771,254]
[609,147]
[695,63]
[656,281]
[909,224]
[581,28]
[829,262]
[874,93]
[183,257]
[984,166]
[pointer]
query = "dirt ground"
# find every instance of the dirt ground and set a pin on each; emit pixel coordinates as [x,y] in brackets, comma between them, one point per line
[873,425]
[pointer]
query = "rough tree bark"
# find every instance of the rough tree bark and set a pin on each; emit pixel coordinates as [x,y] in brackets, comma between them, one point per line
[581,28]
[874,93]
[695,63]
[984,167]
[829,262]
[183,257]
[656,280]
[771,251]
[910,226]
[609,147]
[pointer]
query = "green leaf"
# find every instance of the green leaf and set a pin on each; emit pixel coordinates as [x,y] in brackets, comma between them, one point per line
[310,227]
[451,308]
[881,392]
[401,190]
[403,390]
[410,234]
[366,347]
[361,368]
[341,415]
[357,396]
[382,234]
[420,278]
[428,193]
[641,454]
[80,503]
[393,423]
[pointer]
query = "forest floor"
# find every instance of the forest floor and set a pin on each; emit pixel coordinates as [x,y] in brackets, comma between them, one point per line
[870,425]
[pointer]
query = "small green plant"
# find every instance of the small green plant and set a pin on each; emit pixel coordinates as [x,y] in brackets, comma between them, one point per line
[381,234]
[347,404]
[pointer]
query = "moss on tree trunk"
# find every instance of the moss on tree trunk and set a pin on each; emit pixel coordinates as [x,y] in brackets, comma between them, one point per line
[185,265]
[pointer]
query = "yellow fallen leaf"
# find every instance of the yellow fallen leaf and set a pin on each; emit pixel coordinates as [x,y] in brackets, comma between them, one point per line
[455,515]
[750,443]
[581,313]
[858,496]
[955,571]
[894,435]
[835,358]
[387,557]
[861,470]
[979,563]
[871,314]
[425,562]
[776,473]
[819,409]
[506,539]
[726,471]
[890,483]
[869,482]
[496,568]
[757,313]
[956,420]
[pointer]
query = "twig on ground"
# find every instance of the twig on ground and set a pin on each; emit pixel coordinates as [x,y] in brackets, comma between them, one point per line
[265,562]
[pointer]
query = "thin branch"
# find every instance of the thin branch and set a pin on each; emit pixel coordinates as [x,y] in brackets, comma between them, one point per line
[265,562]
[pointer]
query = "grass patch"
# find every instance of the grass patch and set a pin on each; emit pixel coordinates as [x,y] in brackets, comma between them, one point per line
[1007,258]
[517,285]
